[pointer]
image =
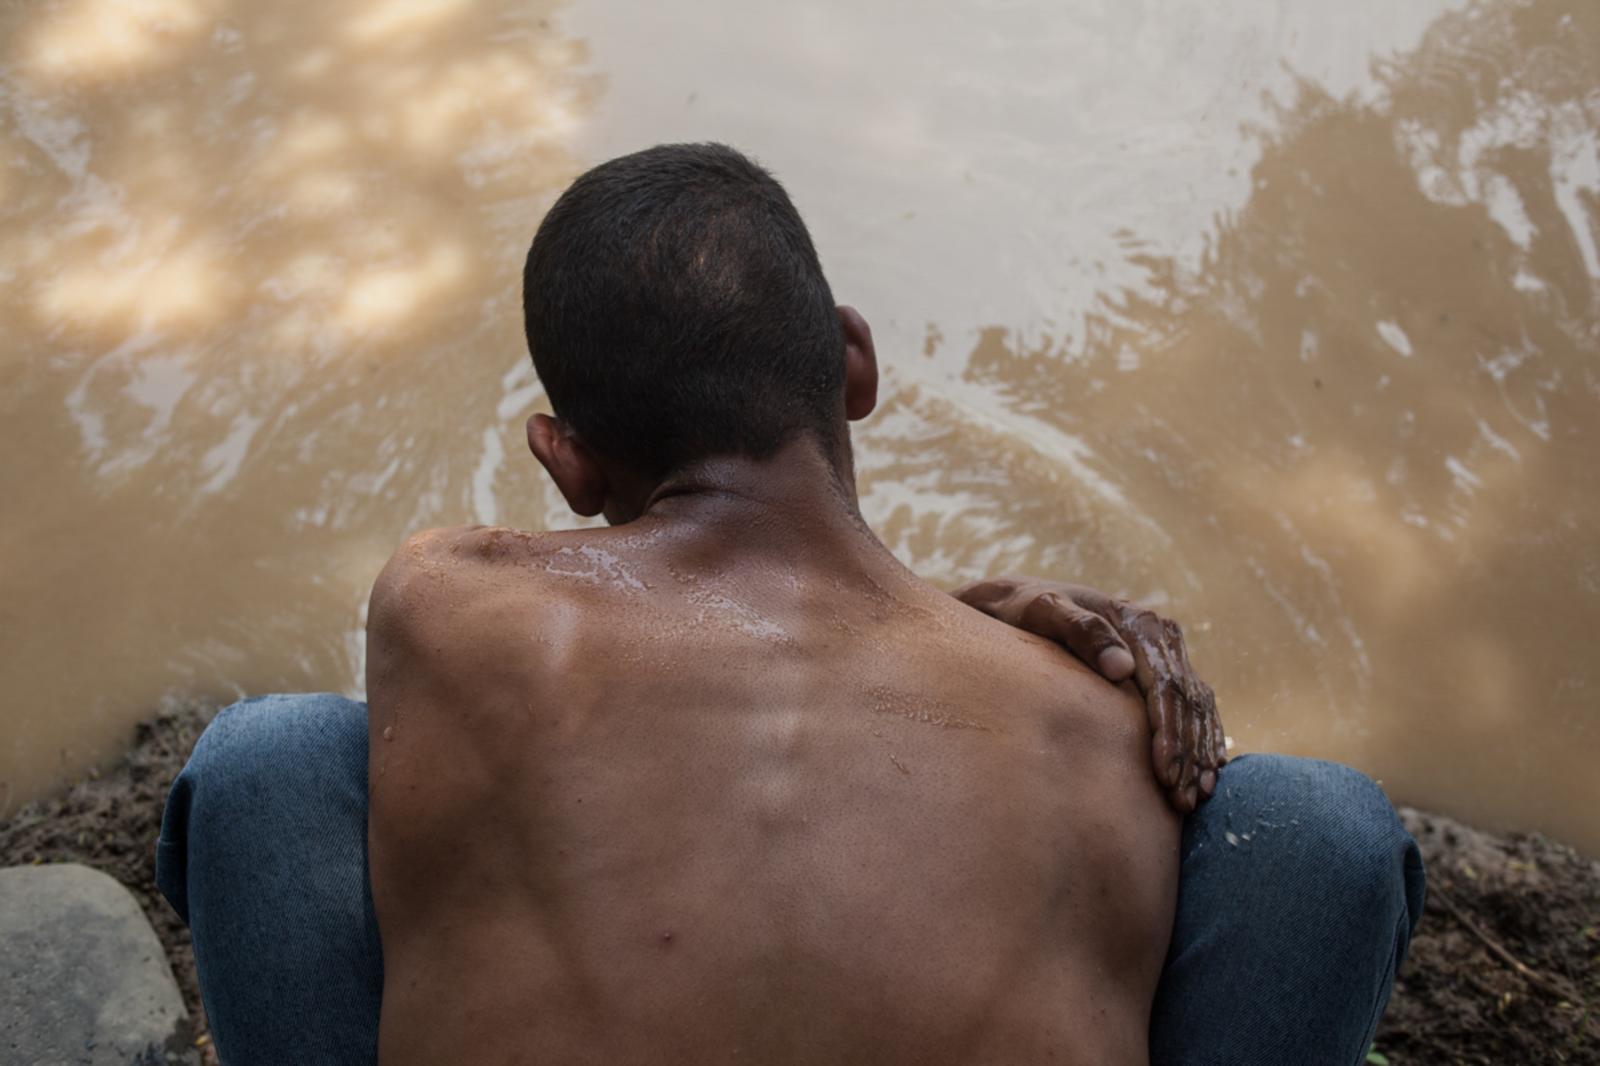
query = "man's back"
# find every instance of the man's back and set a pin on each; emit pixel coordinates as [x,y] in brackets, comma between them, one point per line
[644,795]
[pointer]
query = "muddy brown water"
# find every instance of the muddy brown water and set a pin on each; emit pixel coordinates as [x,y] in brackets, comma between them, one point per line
[1280,316]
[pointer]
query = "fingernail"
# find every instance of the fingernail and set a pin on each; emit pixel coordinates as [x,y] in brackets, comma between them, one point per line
[1208,781]
[1115,663]
[1193,797]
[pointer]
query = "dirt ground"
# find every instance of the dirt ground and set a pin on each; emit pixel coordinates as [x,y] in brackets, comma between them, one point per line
[1505,969]
[111,822]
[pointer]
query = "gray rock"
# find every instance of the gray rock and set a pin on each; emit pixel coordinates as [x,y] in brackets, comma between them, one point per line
[83,979]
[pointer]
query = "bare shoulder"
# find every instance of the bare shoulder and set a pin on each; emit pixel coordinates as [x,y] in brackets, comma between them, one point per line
[452,596]
[452,624]
[434,573]
[1043,672]
[1107,726]
[417,567]
[1102,732]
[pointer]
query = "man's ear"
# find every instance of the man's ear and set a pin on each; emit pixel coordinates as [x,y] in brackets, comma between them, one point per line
[860,365]
[570,464]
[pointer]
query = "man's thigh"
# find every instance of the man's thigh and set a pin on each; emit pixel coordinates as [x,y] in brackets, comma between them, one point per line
[1297,896]
[263,852]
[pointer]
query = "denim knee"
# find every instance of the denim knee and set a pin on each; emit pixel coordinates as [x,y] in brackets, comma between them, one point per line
[1298,893]
[256,757]
[263,854]
[268,741]
[1345,834]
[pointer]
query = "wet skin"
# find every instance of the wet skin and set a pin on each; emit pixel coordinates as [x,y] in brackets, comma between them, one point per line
[726,783]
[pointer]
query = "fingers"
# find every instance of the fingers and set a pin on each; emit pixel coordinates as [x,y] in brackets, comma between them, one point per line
[1202,701]
[1081,619]
[1210,745]
[990,595]
[1055,614]
[1207,744]
[1183,783]
[1217,742]
[1188,743]
[1218,735]
[1180,708]
[1206,720]
[1176,773]
[1163,752]
[1114,661]
[1190,725]
[1152,675]
[1121,640]
[1087,635]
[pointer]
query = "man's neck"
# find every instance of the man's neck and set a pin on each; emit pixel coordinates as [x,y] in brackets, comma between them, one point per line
[798,505]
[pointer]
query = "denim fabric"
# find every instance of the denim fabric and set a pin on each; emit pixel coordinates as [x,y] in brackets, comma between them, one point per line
[1299,891]
[263,851]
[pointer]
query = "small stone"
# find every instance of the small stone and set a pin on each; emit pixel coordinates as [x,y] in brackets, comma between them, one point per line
[83,978]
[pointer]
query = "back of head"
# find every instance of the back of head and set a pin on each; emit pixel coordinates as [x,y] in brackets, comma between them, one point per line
[675,309]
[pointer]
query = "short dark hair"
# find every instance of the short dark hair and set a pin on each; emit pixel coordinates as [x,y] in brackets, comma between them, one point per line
[675,309]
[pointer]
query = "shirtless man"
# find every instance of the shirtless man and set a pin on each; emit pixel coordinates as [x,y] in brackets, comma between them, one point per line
[725,782]
[759,794]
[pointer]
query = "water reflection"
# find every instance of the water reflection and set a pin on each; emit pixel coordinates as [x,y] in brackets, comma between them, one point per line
[1354,443]
[260,266]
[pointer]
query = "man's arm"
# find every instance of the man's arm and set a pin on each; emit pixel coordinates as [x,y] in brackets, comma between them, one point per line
[1121,640]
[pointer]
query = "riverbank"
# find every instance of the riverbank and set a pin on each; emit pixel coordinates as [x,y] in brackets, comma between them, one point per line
[110,821]
[1505,968]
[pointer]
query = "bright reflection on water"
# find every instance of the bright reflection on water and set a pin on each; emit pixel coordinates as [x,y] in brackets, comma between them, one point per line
[1281,316]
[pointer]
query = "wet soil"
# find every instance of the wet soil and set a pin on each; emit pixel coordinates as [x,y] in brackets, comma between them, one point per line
[110,821]
[1505,968]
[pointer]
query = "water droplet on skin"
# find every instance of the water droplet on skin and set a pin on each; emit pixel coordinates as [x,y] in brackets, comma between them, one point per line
[388,732]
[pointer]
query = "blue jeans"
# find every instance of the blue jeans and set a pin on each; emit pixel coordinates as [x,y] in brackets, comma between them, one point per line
[1298,894]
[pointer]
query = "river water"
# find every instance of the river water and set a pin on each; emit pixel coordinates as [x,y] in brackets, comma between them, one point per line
[1279,315]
